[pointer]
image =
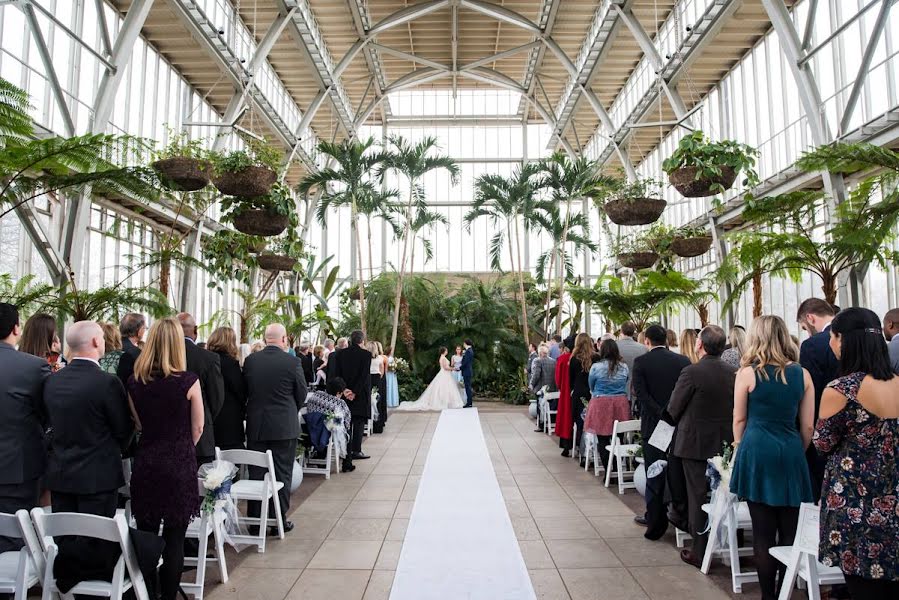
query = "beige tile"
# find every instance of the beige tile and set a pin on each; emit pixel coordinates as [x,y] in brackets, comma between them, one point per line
[403,509]
[397,530]
[536,555]
[289,553]
[379,585]
[315,507]
[525,528]
[581,554]
[640,552]
[321,584]
[676,583]
[548,491]
[548,585]
[389,556]
[310,527]
[371,509]
[617,527]
[335,554]
[366,530]
[586,491]
[378,493]
[518,508]
[553,508]
[600,584]
[565,528]
[246,583]
[603,507]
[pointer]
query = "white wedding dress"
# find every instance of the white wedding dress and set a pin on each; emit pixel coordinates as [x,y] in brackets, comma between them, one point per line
[441,393]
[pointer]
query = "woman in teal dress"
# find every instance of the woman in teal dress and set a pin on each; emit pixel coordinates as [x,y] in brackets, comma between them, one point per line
[770,470]
[393,388]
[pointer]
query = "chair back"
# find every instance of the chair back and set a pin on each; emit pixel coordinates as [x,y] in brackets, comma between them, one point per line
[32,543]
[551,396]
[9,526]
[620,427]
[808,531]
[247,457]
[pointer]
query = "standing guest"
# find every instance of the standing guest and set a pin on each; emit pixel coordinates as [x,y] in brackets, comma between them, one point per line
[132,328]
[609,381]
[353,365]
[276,390]
[112,340]
[857,434]
[88,411]
[207,367]
[543,374]
[318,367]
[305,356]
[393,386]
[687,345]
[257,347]
[228,424]
[167,405]
[671,339]
[891,332]
[816,356]
[39,339]
[555,349]
[330,365]
[654,377]
[22,456]
[342,344]
[629,349]
[376,370]
[769,470]
[734,354]
[328,346]
[565,411]
[702,406]
[582,359]
[331,400]
[532,356]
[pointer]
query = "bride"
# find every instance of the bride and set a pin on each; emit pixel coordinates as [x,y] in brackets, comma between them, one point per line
[443,391]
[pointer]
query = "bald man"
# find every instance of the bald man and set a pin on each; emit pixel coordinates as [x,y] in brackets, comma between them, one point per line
[891,331]
[276,391]
[207,366]
[88,411]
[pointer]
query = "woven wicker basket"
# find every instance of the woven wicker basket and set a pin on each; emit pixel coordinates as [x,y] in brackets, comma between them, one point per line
[247,182]
[693,246]
[638,211]
[184,174]
[684,181]
[274,262]
[255,221]
[638,260]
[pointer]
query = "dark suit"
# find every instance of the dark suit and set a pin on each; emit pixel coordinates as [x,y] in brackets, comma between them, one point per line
[130,352]
[276,391]
[229,427]
[654,376]
[207,367]
[22,453]
[353,365]
[822,365]
[306,359]
[88,411]
[702,406]
[466,368]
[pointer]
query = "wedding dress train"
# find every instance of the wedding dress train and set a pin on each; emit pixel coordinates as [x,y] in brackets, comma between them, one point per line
[441,393]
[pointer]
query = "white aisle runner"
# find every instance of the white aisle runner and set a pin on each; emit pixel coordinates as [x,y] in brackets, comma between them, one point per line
[460,544]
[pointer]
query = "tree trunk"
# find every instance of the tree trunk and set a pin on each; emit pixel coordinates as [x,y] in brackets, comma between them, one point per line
[412,254]
[408,334]
[703,310]
[562,269]
[524,301]
[165,276]
[371,268]
[402,271]
[244,330]
[756,294]
[829,287]
[549,291]
[361,274]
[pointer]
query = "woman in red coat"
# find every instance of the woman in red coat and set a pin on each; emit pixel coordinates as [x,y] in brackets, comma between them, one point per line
[564,418]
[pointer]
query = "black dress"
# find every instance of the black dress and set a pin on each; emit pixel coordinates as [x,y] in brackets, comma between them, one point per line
[580,389]
[229,423]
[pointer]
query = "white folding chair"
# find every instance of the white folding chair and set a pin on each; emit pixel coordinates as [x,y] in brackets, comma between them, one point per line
[575,449]
[549,423]
[258,491]
[22,569]
[801,559]
[737,517]
[126,574]
[621,454]
[200,530]
[322,466]
[681,537]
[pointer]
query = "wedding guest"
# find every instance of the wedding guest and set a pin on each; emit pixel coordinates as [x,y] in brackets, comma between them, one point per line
[671,339]
[318,367]
[167,405]
[342,344]
[22,456]
[88,411]
[816,356]
[276,389]
[609,380]
[112,340]
[702,406]
[132,328]
[857,434]
[257,347]
[891,332]
[393,387]
[39,339]
[532,356]
[228,425]
[331,400]
[543,374]
[734,354]
[582,359]
[207,367]
[654,377]
[328,345]
[555,349]
[565,416]
[353,365]
[376,370]
[305,355]
[687,345]
[769,471]
[629,349]
[243,351]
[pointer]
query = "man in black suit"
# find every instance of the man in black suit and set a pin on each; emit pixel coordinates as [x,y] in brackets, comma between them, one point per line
[132,327]
[702,407]
[654,377]
[276,391]
[207,366]
[305,356]
[22,455]
[88,411]
[466,367]
[353,365]
[814,316]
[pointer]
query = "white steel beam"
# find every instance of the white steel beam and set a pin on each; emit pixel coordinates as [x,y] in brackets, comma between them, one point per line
[545,22]
[362,23]
[500,55]
[407,14]
[500,13]
[411,57]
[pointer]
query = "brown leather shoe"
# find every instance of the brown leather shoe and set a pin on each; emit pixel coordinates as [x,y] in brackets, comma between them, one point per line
[688,557]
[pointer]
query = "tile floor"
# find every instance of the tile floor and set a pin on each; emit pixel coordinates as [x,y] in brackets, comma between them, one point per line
[578,538]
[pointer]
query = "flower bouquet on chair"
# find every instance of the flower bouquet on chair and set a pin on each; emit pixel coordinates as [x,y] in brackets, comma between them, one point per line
[218,503]
[718,473]
[336,425]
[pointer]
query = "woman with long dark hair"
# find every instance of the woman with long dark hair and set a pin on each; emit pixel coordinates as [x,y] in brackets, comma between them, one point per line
[608,380]
[39,339]
[858,431]
[582,359]
[229,423]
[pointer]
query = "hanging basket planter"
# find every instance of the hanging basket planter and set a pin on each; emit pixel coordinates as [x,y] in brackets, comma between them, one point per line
[247,182]
[274,262]
[684,181]
[687,247]
[184,174]
[254,221]
[638,260]
[634,211]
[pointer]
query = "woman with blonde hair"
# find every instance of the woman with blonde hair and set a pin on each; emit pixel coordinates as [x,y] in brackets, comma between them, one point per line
[228,425]
[770,471]
[737,340]
[167,406]
[687,344]
[376,370]
[112,338]
[582,359]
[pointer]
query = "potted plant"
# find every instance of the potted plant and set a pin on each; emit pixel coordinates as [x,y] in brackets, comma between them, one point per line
[250,172]
[183,164]
[700,167]
[636,252]
[230,254]
[284,254]
[690,241]
[633,202]
[265,215]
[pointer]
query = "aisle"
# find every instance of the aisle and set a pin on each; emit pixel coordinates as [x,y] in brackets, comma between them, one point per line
[460,543]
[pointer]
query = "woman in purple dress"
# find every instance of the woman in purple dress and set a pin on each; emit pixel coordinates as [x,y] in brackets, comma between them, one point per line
[168,408]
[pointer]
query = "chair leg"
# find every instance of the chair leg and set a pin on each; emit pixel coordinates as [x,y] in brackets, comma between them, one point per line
[220,550]
[263,524]
[611,457]
[278,517]
[621,469]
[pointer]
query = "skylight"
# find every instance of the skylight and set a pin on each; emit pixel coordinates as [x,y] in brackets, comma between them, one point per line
[440,103]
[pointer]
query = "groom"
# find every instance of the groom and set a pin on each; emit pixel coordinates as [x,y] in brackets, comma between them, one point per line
[465,367]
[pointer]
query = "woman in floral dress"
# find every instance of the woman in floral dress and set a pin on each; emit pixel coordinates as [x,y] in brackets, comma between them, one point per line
[859,433]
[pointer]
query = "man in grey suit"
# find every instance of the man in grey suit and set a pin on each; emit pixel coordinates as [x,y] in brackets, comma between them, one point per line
[22,455]
[630,349]
[702,407]
[276,390]
[543,374]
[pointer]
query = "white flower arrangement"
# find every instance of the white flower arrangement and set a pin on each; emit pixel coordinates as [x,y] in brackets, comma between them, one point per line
[217,477]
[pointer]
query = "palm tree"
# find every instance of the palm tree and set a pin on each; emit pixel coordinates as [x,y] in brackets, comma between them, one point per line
[570,179]
[349,183]
[26,294]
[514,202]
[424,220]
[413,161]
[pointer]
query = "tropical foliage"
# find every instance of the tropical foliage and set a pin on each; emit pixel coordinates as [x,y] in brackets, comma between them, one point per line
[697,150]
